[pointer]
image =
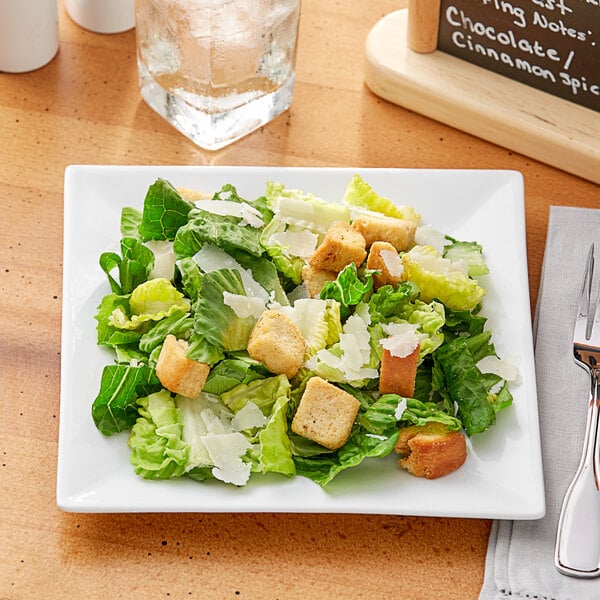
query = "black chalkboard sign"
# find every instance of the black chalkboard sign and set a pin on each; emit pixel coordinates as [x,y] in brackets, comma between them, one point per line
[551,45]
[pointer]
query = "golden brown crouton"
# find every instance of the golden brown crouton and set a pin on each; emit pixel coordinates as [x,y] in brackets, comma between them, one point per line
[383,257]
[325,414]
[397,374]
[315,279]
[341,246]
[398,232]
[431,450]
[276,341]
[192,195]
[177,372]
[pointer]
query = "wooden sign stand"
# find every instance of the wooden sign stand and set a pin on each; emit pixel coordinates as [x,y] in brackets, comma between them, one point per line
[404,67]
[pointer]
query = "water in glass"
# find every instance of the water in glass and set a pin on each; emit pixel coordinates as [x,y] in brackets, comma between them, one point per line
[217,69]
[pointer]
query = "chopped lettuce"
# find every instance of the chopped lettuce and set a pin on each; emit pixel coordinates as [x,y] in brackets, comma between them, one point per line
[223,231]
[131,219]
[464,385]
[360,194]
[114,408]
[299,222]
[205,271]
[165,211]
[348,288]
[323,468]
[212,441]
[469,253]
[353,358]
[295,207]
[216,321]
[231,372]
[318,320]
[134,265]
[152,300]
[157,448]
[440,279]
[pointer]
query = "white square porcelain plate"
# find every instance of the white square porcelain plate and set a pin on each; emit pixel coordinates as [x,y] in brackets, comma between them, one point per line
[502,477]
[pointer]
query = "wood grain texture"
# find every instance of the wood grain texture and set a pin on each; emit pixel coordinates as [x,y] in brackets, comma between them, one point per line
[84,107]
[481,102]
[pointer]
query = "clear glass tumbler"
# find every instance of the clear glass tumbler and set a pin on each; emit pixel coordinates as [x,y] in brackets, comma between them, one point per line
[217,69]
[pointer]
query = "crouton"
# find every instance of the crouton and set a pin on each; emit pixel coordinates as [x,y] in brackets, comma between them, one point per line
[178,373]
[276,341]
[341,246]
[315,279]
[397,374]
[383,257]
[398,232]
[431,450]
[192,195]
[325,414]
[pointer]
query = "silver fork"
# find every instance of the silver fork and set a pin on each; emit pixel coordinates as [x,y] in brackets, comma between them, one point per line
[577,551]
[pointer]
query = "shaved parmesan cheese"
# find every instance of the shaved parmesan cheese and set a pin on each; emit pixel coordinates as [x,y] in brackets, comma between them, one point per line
[226,453]
[248,417]
[164,259]
[295,243]
[212,422]
[392,263]
[434,262]
[355,352]
[402,339]
[244,306]
[502,367]
[248,214]
[212,258]
[428,236]
[400,409]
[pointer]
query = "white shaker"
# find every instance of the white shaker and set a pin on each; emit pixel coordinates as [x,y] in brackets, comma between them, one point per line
[102,16]
[28,34]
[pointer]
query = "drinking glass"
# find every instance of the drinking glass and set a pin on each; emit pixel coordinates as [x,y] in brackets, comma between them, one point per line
[217,69]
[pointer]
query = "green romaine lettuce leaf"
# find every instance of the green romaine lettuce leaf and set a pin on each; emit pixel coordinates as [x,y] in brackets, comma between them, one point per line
[179,323]
[419,413]
[165,211]
[108,334]
[459,381]
[300,214]
[274,453]
[232,372]
[360,193]
[471,253]
[157,448]
[348,288]
[437,278]
[380,416]
[361,444]
[223,231]
[152,300]
[114,408]
[133,267]
[319,322]
[188,277]
[264,393]
[296,207]
[216,321]
[131,219]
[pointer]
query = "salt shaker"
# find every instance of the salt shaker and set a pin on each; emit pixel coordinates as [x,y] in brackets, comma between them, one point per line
[28,34]
[102,16]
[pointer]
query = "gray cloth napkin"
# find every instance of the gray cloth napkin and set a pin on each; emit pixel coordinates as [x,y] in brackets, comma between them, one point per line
[520,556]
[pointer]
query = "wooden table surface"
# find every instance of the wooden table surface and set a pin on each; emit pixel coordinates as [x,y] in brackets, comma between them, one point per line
[84,107]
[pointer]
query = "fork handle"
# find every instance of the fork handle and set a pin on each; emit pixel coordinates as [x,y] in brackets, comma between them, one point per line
[577,551]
